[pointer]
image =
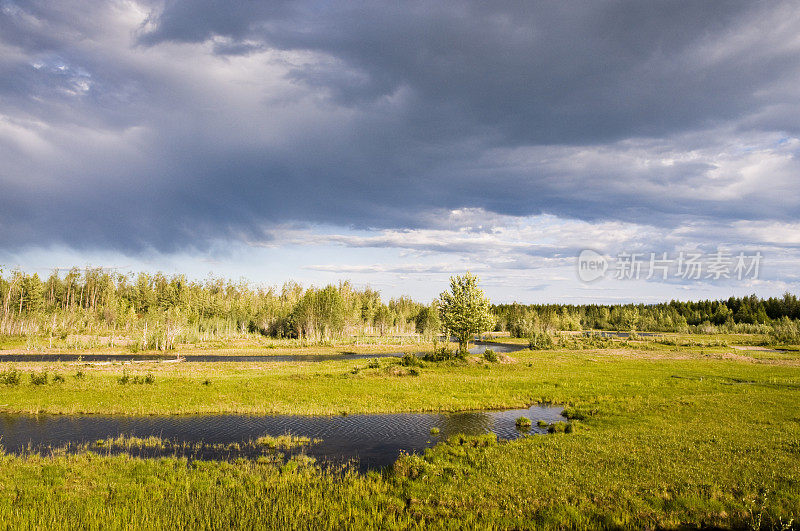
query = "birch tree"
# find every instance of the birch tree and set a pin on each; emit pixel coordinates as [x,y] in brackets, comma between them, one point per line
[464,310]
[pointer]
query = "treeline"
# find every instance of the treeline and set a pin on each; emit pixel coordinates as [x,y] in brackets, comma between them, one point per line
[159,310]
[737,314]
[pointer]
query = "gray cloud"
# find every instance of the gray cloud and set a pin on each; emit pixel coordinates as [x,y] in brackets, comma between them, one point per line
[553,73]
[169,125]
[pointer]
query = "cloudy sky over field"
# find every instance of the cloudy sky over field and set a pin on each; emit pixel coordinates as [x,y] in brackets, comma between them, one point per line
[395,144]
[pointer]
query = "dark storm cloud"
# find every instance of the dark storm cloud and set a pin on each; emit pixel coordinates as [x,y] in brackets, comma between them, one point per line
[128,133]
[545,73]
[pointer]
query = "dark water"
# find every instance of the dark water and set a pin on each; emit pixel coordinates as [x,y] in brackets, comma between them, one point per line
[479,348]
[621,334]
[373,441]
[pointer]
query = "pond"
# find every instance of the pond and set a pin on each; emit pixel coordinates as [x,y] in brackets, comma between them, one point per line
[372,440]
[479,348]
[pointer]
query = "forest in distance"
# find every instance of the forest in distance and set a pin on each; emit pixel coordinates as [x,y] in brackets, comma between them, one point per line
[160,310]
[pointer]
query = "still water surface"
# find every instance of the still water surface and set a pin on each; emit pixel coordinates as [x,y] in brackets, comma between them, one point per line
[250,356]
[373,440]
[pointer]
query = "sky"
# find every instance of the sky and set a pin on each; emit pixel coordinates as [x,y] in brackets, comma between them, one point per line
[396,144]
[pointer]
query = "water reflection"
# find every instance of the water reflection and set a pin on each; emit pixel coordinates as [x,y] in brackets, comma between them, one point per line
[373,440]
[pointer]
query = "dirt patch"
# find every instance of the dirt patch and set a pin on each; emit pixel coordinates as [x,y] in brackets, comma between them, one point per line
[501,358]
[757,349]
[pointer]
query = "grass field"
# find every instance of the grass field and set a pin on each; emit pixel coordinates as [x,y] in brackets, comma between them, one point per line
[664,437]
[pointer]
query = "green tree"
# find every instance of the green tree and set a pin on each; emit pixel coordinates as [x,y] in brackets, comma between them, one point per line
[464,310]
[383,319]
[33,293]
[427,321]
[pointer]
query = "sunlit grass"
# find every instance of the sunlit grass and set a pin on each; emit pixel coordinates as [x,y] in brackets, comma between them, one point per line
[334,387]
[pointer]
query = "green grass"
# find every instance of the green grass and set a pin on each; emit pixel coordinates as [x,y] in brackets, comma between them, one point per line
[656,439]
[15,341]
[335,387]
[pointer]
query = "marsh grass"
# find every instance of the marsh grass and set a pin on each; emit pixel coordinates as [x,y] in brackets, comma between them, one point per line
[277,447]
[129,441]
[523,423]
[286,441]
[558,427]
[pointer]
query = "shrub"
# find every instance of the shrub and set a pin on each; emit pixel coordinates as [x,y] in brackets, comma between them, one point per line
[57,378]
[541,341]
[39,379]
[374,363]
[443,354]
[206,382]
[10,377]
[137,379]
[786,331]
[79,375]
[490,356]
[410,360]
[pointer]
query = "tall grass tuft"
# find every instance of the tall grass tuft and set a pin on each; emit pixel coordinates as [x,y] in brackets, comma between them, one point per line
[10,377]
[40,378]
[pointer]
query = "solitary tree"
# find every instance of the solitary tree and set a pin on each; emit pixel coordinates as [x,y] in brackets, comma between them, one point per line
[464,310]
